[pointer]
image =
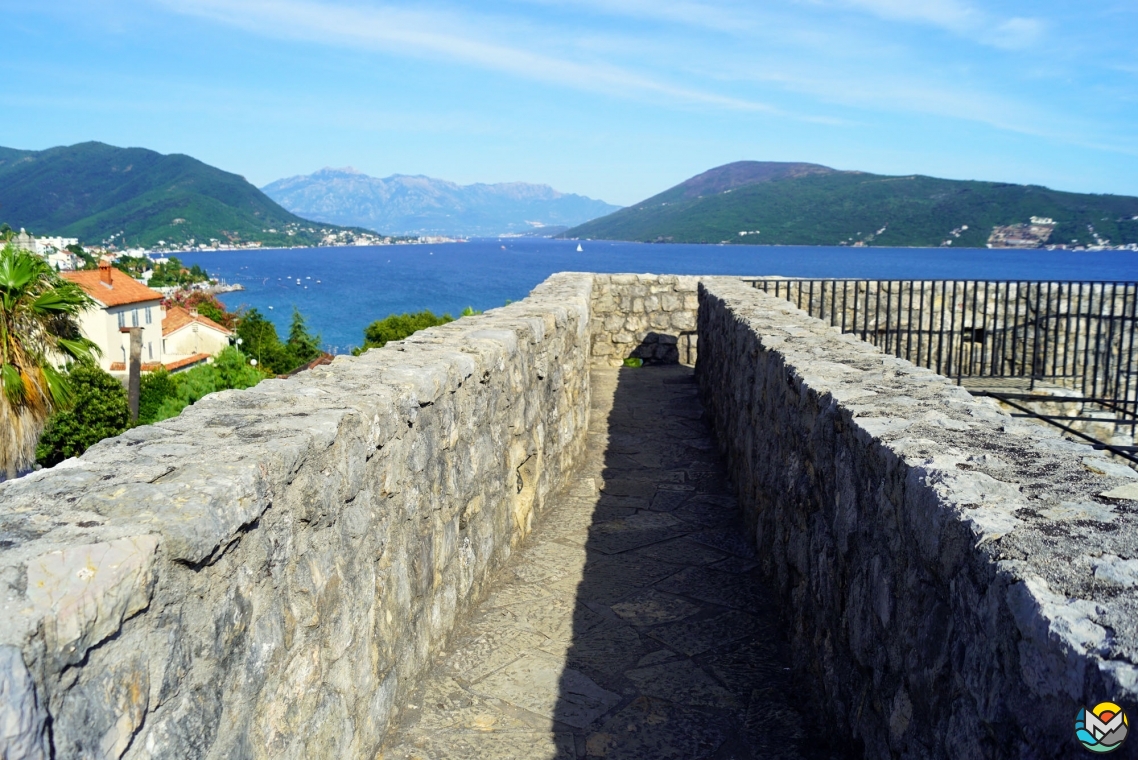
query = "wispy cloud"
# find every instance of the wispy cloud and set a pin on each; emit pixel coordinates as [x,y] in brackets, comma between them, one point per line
[765,59]
[959,18]
[440,35]
[724,17]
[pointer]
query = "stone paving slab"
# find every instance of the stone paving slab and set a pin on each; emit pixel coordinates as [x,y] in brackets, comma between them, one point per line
[631,625]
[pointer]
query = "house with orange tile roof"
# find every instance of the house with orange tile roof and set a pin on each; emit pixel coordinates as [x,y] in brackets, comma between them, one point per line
[122,302]
[187,335]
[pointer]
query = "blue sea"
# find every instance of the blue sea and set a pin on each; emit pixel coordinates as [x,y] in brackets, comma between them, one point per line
[341,290]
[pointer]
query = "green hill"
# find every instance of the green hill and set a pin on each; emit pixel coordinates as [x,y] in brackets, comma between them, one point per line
[807,204]
[93,191]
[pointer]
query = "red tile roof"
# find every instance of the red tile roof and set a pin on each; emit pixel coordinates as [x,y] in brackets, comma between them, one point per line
[188,361]
[178,317]
[123,289]
[170,366]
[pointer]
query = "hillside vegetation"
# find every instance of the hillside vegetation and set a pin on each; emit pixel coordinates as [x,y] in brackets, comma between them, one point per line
[137,197]
[807,204]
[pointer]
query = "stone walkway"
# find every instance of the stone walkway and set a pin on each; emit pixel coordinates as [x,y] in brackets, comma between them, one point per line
[631,624]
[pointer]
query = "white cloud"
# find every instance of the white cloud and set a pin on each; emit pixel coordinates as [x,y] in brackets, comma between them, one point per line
[434,34]
[948,14]
[958,18]
[727,17]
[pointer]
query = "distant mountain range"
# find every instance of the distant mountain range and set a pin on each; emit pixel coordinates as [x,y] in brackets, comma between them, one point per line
[807,204]
[136,197]
[416,205]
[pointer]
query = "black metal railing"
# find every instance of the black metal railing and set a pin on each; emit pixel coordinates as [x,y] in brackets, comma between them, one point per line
[1079,336]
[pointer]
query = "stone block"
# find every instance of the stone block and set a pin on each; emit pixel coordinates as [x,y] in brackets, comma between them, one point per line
[635,323]
[83,594]
[684,320]
[23,720]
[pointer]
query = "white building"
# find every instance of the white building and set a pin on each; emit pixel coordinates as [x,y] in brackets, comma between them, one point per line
[189,337]
[123,302]
[46,245]
[54,249]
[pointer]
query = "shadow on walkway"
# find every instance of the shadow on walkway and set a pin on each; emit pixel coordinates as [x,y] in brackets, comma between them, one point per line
[631,625]
[676,649]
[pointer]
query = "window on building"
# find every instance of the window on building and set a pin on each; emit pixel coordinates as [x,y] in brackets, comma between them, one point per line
[122,319]
[148,317]
[134,317]
[150,346]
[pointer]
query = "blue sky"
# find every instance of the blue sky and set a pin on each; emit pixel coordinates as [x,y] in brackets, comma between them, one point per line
[616,99]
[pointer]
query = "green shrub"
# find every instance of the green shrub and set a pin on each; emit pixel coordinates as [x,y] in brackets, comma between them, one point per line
[100,410]
[167,395]
[399,326]
[154,389]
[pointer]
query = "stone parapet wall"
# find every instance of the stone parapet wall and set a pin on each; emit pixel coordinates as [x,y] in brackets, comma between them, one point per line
[646,316]
[267,575]
[957,583]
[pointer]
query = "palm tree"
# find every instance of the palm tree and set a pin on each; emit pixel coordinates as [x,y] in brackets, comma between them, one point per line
[38,328]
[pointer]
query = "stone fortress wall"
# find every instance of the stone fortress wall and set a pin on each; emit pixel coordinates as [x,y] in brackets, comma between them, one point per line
[644,316]
[956,582]
[268,574]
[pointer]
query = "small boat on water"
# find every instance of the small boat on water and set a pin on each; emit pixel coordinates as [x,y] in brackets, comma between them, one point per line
[580,249]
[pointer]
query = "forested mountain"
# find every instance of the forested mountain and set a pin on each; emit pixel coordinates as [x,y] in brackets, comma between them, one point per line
[806,204]
[95,191]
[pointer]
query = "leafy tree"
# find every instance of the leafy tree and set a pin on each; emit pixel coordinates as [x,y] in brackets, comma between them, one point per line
[205,304]
[303,346]
[38,326]
[100,410]
[259,340]
[174,273]
[399,326]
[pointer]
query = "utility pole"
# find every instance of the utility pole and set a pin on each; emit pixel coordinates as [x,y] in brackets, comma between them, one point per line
[135,369]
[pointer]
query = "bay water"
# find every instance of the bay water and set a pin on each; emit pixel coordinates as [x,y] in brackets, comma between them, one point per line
[341,290]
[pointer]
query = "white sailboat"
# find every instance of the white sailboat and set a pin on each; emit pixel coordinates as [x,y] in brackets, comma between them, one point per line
[580,249]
